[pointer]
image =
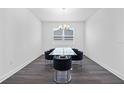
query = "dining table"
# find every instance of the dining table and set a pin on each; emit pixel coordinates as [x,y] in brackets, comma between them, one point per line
[63,51]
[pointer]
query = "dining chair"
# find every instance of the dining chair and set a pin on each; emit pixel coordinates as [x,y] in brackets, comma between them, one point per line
[62,66]
[78,57]
[48,58]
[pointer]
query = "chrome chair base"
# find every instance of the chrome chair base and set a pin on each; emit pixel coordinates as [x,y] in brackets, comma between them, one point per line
[62,77]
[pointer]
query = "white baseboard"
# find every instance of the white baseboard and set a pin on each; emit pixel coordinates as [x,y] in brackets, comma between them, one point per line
[10,73]
[108,68]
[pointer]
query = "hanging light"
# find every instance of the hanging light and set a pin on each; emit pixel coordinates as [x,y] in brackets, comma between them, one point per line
[63,8]
[64,27]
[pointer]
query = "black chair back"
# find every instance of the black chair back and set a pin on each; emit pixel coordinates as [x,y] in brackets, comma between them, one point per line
[75,50]
[47,56]
[51,50]
[62,64]
[79,55]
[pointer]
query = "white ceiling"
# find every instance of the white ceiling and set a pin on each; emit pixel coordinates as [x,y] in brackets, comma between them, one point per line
[66,14]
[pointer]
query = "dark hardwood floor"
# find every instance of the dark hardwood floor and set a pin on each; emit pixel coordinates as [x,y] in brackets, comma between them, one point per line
[38,72]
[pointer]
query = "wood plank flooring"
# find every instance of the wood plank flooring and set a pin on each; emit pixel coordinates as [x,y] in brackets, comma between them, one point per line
[38,72]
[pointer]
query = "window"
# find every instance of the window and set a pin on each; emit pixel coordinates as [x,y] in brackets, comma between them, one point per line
[63,32]
[58,34]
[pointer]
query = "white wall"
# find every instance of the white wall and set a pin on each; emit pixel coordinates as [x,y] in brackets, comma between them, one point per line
[49,42]
[20,40]
[104,39]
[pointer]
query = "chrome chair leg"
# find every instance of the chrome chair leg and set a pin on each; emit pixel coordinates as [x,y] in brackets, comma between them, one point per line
[45,61]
